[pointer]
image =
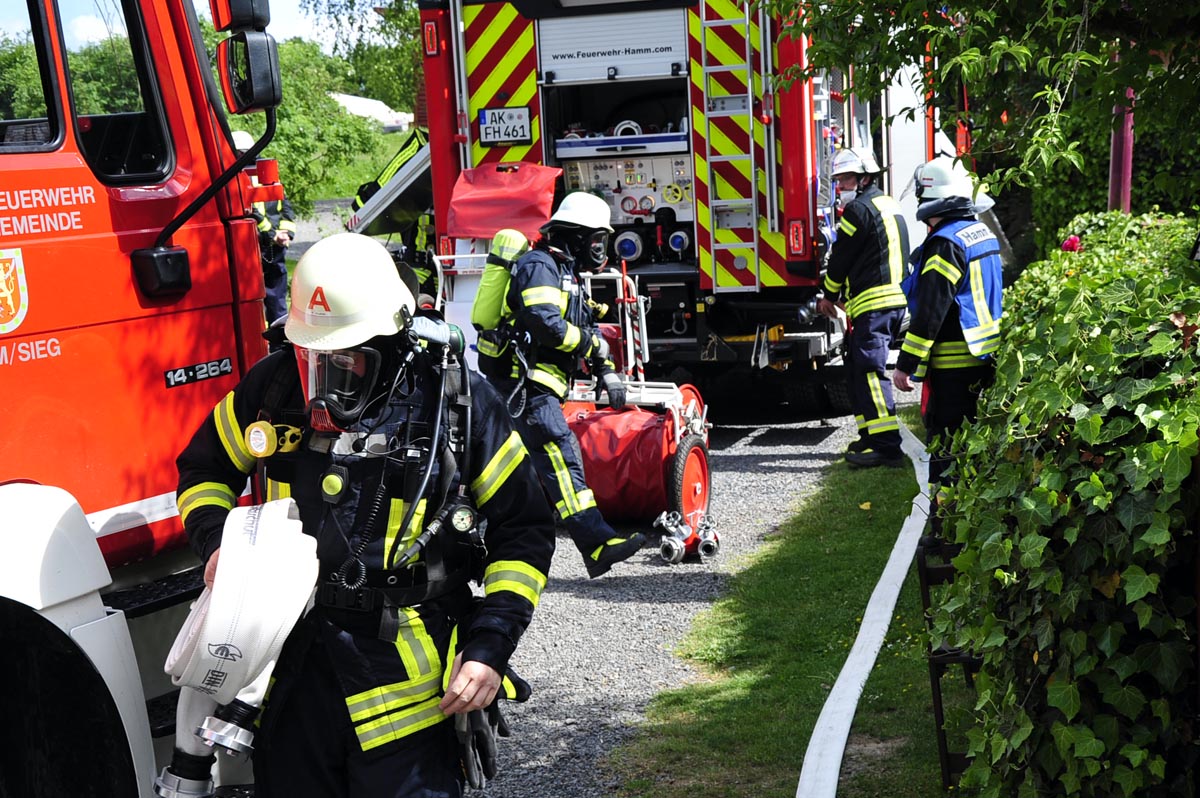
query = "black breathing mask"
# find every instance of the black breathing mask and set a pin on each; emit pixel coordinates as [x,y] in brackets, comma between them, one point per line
[338,384]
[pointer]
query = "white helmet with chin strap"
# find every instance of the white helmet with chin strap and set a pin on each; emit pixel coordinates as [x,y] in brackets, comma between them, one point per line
[944,187]
[857,161]
[582,222]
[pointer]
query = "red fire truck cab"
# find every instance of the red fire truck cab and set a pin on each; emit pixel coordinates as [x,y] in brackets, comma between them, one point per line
[130,302]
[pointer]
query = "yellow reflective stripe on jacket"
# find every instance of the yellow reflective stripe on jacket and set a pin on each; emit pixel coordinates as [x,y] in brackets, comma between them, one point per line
[278,490]
[514,576]
[884,424]
[844,226]
[571,340]
[877,297]
[831,286]
[890,213]
[544,295]
[952,355]
[985,339]
[399,724]
[404,717]
[205,494]
[396,511]
[264,224]
[499,468]
[550,376]
[567,506]
[875,388]
[916,345]
[384,699]
[287,226]
[943,267]
[233,437]
[985,336]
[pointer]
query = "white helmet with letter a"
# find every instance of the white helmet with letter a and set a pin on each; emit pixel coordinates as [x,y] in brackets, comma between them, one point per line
[856,161]
[944,187]
[346,290]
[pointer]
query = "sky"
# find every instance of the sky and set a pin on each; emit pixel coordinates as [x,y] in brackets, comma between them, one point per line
[88,21]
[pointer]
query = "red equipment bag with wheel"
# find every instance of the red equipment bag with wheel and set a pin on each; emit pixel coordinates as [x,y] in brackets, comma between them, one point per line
[624,460]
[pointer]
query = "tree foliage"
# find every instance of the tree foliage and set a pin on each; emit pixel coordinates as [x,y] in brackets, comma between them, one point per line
[1076,502]
[1028,66]
[383,48]
[315,136]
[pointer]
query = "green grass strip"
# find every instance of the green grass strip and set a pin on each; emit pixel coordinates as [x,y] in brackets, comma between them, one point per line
[771,650]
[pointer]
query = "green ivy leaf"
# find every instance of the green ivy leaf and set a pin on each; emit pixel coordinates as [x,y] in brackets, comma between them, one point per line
[1032,547]
[1126,699]
[1063,695]
[1137,583]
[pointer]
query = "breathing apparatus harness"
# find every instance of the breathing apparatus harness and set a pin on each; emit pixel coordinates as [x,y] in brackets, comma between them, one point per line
[351,587]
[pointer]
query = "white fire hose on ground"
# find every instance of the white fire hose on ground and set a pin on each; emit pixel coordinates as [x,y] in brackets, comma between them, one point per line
[223,657]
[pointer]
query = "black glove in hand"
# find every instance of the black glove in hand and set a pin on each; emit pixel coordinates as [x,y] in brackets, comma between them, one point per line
[476,733]
[615,390]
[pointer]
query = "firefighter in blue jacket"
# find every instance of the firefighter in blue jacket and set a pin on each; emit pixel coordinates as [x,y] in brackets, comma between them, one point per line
[955,297]
[554,326]
[395,454]
[866,265]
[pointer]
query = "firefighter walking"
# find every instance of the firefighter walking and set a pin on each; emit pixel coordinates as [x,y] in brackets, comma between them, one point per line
[866,265]
[549,328]
[956,303]
[393,452]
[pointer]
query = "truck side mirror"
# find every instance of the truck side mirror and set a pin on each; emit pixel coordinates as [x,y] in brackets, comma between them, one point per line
[240,14]
[249,65]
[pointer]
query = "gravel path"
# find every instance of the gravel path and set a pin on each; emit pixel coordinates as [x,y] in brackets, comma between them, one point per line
[598,651]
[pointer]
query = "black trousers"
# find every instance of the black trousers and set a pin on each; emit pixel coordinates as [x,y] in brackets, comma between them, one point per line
[871,338]
[951,399]
[559,463]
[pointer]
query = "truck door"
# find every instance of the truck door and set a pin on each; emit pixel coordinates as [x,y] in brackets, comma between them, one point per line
[102,143]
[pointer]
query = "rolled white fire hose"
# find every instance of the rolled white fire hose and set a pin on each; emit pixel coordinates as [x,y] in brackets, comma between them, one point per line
[265,578]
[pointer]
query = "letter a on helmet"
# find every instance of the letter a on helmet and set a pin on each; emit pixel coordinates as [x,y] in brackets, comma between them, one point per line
[345,291]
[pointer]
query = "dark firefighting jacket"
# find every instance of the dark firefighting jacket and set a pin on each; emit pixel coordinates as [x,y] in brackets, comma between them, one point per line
[956,300]
[272,217]
[868,259]
[549,304]
[392,682]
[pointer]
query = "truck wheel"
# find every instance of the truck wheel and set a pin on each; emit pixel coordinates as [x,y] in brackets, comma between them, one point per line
[691,483]
[64,730]
[839,397]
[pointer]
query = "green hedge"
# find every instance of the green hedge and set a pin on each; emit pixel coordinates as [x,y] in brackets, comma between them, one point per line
[1075,499]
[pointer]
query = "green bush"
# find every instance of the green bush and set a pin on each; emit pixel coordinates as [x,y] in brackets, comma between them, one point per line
[1076,499]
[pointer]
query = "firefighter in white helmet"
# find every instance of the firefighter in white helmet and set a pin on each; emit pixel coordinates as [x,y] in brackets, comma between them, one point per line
[553,330]
[395,454]
[955,298]
[866,265]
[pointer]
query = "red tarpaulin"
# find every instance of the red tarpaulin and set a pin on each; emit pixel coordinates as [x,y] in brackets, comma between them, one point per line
[488,198]
[625,460]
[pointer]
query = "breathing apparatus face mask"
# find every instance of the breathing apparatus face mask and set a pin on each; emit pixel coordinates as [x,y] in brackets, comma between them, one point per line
[338,385]
[588,247]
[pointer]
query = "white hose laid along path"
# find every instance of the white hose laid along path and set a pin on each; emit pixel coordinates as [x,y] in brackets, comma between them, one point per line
[823,758]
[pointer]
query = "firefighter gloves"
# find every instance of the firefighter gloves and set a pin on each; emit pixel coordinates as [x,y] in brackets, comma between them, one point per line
[477,732]
[615,389]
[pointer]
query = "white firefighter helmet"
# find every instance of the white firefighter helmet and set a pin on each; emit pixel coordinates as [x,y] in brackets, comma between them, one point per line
[944,187]
[581,209]
[856,161]
[345,291]
[242,140]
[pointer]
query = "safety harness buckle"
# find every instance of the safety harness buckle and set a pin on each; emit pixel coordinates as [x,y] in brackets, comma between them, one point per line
[331,594]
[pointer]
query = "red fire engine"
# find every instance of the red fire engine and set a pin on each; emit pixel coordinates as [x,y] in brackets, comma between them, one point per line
[676,113]
[130,302]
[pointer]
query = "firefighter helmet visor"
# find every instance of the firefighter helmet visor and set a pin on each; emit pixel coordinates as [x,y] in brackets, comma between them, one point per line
[337,384]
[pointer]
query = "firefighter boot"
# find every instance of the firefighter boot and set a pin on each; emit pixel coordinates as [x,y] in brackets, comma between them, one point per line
[613,552]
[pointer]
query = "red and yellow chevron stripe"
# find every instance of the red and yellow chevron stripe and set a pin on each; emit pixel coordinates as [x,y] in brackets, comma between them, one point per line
[501,73]
[730,135]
